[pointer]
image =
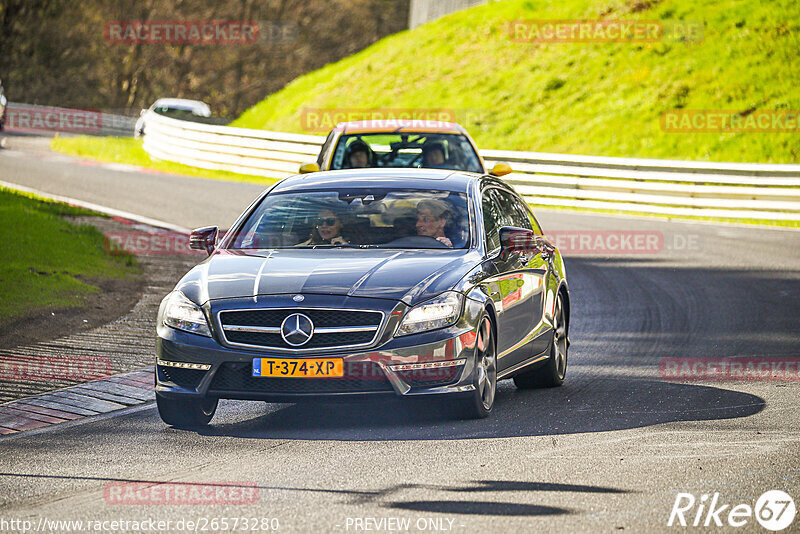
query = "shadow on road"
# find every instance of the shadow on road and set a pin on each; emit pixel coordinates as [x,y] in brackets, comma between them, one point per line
[387,497]
[479,508]
[585,404]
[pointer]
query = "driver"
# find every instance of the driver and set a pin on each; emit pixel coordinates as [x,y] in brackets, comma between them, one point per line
[432,216]
[433,156]
[359,155]
[327,230]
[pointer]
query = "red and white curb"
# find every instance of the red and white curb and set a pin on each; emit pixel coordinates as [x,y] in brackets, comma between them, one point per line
[75,402]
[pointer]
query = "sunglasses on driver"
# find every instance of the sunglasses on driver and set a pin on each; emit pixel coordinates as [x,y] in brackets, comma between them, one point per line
[326,221]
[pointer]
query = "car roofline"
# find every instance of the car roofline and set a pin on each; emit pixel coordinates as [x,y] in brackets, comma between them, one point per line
[446,178]
[399,125]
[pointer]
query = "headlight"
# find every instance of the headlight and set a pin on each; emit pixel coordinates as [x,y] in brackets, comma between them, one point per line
[438,312]
[183,314]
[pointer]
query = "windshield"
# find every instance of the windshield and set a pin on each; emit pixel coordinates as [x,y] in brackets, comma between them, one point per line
[357,218]
[426,150]
[177,113]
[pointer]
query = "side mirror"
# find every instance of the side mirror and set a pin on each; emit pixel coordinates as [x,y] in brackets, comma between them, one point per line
[501,169]
[523,241]
[308,168]
[141,113]
[204,239]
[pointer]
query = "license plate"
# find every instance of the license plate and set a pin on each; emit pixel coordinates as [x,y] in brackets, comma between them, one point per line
[310,368]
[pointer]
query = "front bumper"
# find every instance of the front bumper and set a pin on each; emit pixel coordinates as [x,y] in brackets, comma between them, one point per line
[368,372]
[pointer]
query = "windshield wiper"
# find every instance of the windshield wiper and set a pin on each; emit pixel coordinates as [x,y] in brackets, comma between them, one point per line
[342,245]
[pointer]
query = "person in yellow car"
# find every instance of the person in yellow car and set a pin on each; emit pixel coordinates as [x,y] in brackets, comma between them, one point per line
[433,156]
[359,155]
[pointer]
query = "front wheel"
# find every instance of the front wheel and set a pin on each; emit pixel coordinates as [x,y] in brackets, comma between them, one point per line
[480,403]
[552,373]
[186,413]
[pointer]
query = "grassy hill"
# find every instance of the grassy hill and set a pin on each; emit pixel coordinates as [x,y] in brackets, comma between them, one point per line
[603,98]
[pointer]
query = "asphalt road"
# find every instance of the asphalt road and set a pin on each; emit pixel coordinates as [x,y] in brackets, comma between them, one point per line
[610,450]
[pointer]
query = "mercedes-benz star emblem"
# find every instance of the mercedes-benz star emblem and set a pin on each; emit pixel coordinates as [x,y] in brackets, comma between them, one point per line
[297,329]
[298,298]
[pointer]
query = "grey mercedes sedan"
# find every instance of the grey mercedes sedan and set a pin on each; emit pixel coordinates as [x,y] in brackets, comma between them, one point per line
[366,283]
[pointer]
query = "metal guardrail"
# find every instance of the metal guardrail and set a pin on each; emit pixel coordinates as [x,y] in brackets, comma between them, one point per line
[667,187]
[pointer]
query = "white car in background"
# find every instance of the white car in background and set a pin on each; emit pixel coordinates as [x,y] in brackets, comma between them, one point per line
[176,108]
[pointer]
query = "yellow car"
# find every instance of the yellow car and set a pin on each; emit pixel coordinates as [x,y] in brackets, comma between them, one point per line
[400,143]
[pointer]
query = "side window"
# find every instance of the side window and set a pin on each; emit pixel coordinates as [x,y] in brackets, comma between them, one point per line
[534,222]
[514,211]
[511,210]
[492,219]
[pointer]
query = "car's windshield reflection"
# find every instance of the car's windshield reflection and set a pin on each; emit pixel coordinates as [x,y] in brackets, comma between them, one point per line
[357,219]
[409,150]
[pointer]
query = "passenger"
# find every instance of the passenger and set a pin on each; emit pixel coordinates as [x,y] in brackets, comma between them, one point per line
[433,156]
[359,155]
[327,230]
[432,217]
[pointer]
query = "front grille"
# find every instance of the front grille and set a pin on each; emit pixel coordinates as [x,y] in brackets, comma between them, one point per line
[186,378]
[441,376]
[359,377]
[316,342]
[322,319]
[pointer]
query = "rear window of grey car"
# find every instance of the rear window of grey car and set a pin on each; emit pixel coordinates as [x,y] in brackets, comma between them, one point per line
[408,150]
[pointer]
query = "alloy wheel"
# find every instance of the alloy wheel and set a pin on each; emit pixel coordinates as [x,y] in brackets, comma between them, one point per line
[487,364]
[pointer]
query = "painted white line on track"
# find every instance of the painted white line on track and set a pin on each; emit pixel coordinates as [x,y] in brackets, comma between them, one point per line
[98,208]
[122,167]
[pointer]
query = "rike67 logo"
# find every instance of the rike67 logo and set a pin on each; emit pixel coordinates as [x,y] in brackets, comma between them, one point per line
[774,510]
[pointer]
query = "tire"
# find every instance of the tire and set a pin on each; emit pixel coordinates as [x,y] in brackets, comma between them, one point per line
[481,402]
[553,372]
[186,413]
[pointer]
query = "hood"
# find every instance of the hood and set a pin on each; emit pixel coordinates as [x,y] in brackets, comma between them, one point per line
[408,275]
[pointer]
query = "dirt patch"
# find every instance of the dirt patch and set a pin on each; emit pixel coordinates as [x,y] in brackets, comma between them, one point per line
[117,296]
[114,328]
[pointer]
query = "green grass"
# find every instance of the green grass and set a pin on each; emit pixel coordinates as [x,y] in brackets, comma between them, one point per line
[49,262]
[577,98]
[130,151]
